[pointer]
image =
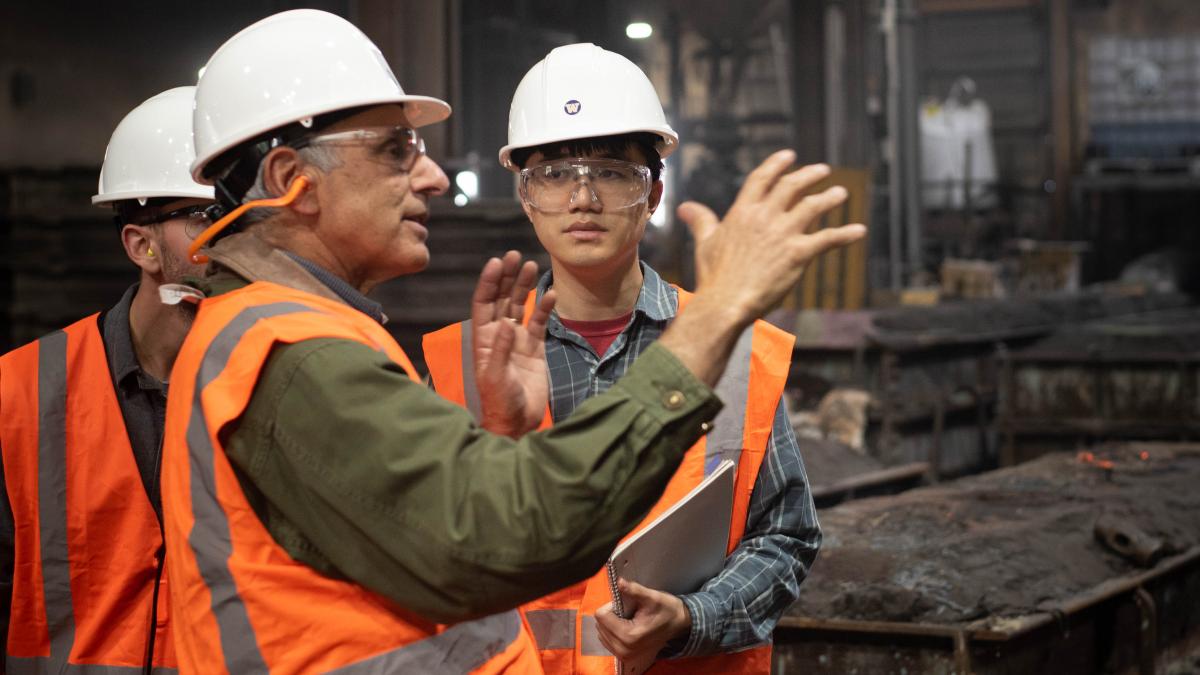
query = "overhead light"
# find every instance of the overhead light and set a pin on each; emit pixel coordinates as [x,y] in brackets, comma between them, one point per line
[639,30]
[468,182]
[460,199]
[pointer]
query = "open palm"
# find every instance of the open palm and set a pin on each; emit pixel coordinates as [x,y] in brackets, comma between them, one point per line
[510,358]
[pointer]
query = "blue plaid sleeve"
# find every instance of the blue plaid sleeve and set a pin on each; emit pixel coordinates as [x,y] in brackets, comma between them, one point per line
[739,607]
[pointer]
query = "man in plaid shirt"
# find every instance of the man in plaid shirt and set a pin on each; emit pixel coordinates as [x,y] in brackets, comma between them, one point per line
[589,188]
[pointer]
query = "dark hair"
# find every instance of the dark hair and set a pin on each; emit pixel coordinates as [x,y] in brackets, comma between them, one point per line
[616,146]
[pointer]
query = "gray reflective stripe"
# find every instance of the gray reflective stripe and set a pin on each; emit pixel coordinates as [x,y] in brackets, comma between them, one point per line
[725,439]
[18,665]
[460,649]
[552,628]
[589,638]
[52,496]
[470,390]
[209,538]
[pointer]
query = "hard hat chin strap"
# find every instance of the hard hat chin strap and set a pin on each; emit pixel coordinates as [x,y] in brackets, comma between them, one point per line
[297,187]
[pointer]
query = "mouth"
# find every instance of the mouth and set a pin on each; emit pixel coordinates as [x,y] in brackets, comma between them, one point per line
[418,223]
[586,231]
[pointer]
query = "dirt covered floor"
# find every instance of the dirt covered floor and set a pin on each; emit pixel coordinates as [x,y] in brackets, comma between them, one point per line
[1009,542]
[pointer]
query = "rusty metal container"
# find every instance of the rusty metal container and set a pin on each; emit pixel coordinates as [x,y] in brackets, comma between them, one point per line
[1008,572]
[1133,377]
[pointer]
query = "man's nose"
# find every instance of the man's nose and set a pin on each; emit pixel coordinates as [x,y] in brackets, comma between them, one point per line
[584,198]
[428,178]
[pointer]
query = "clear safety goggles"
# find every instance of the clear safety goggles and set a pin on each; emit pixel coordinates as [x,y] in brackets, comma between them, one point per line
[555,186]
[196,217]
[398,146]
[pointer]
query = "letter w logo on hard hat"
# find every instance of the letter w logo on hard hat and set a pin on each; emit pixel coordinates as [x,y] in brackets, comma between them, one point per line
[572,107]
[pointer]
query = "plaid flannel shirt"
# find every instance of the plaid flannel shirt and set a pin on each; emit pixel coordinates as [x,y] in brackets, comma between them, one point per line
[740,606]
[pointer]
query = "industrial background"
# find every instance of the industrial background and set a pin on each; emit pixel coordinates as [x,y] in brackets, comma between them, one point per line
[998,393]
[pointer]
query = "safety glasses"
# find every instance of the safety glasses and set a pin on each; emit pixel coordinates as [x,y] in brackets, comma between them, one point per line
[196,217]
[399,146]
[554,187]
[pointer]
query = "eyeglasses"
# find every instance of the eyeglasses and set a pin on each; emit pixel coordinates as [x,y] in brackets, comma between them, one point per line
[400,146]
[554,186]
[197,218]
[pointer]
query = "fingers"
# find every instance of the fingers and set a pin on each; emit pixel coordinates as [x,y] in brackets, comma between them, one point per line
[764,176]
[615,648]
[811,208]
[791,187]
[700,219]
[501,353]
[525,281]
[483,301]
[510,267]
[611,630]
[503,283]
[633,595]
[541,316]
[832,237]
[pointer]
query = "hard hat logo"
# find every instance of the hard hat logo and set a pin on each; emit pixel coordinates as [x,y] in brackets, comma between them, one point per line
[572,107]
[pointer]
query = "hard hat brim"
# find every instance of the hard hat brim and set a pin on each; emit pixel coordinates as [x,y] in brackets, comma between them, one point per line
[670,142]
[182,193]
[420,111]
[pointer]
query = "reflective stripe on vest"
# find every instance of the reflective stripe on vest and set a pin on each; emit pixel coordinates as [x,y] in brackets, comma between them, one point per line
[458,649]
[210,538]
[552,628]
[470,390]
[19,665]
[85,555]
[52,498]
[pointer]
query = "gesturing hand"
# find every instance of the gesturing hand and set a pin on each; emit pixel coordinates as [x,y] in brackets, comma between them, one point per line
[654,619]
[510,359]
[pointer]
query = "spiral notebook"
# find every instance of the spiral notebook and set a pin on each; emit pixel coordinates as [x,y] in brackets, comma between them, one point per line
[682,548]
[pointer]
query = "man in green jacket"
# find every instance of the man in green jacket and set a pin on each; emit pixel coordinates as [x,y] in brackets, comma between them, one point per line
[499,521]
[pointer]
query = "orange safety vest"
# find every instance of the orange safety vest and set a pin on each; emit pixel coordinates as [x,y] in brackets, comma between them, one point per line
[243,604]
[87,543]
[563,623]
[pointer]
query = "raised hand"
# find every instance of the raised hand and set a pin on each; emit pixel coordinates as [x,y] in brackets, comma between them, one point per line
[747,261]
[509,358]
[759,250]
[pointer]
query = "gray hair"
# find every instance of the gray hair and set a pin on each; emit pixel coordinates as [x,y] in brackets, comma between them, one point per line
[320,156]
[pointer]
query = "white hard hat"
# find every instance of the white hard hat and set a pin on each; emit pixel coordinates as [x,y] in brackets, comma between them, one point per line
[289,68]
[583,91]
[150,152]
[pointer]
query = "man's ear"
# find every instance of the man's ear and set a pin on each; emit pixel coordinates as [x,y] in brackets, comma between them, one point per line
[141,247]
[280,168]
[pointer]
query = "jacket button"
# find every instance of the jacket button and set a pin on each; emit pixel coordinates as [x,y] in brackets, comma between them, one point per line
[674,400]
